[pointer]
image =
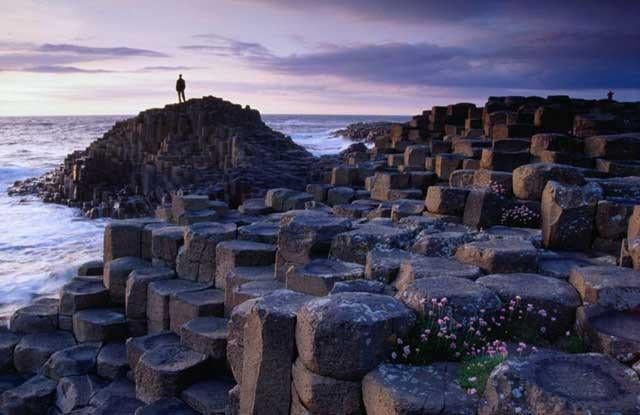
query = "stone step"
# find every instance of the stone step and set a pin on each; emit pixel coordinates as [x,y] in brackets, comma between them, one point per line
[33,350]
[72,361]
[242,275]
[111,362]
[80,294]
[251,290]
[209,397]
[164,372]
[319,276]
[41,316]
[185,306]
[100,324]
[137,346]
[34,396]
[207,335]
[136,289]
[231,254]
[158,298]
[116,273]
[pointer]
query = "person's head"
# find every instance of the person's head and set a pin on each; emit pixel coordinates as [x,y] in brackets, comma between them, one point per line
[180,76]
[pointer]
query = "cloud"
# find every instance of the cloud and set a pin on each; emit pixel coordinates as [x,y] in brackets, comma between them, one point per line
[554,60]
[167,68]
[225,47]
[98,51]
[62,69]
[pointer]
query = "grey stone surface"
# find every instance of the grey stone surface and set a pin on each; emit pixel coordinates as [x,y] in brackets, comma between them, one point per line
[353,246]
[416,267]
[166,406]
[187,305]
[81,294]
[42,316]
[136,289]
[72,361]
[34,349]
[608,286]
[500,255]
[74,392]
[137,346]
[99,324]
[320,275]
[111,362]
[197,258]
[209,397]
[383,264]
[206,335]
[117,272]
[231,254]
[34,396]
[158,298]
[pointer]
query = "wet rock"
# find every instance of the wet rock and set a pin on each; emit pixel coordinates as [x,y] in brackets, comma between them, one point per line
[567,215]
[343,336]
[417,267]
[164,372]
[34,396]
[8,342]
[320,275]
[117,272]
[137,346]
[111,362]
[446,200]
[33,350]
[608,286]
[136,289]
[91,268]
[616,333]
[80,294]
[383,264]
[197,258]
[554,384]
[556,299]
[529,180]
[500,256]
[72,361]
[99,324]
[399,389]
[353,246]
[39,317]
[158,298]
[231,254]
[187,305]
[321,394]
[465,298]
[206,335]
[268,352]
[166,406]
[210,397]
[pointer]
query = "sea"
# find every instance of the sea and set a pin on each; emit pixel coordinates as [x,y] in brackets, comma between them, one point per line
[41,245]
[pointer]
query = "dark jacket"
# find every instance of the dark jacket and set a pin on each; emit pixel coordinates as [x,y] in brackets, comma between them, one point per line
[180,85]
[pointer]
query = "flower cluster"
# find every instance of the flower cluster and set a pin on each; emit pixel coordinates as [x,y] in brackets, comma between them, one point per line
[520,215]
[497,188]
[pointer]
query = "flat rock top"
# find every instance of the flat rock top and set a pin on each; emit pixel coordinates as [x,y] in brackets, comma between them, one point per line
[330,268]
[531,287]
[240,245]
[150,341]
[622,324]
[508,245]
[151,273]
[437,266]
[211,327]
[201,297]
[171,232]
[101,316]
[55,340]
[167,287]
[283,302]
[84,287]
[379,231]
[610,276]
[211,229]
[172,358]
[253,273]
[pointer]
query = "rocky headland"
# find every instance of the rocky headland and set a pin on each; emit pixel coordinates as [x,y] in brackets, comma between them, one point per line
[364,131]
[476,260]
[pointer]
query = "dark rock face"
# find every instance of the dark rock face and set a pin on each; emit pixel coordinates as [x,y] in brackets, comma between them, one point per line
[204,144]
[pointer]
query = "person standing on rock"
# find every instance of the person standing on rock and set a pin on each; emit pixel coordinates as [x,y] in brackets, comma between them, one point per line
[180,87]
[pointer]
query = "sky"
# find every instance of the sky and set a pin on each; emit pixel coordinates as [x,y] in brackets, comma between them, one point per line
[385,57]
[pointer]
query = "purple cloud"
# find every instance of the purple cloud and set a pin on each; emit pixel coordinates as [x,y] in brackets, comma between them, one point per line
[98,51]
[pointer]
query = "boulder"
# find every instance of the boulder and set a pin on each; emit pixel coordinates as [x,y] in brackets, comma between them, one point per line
[500,182]
[553,383]
[137,286]
[321,394]
[462,177]
[612,218]
[117,272]
[210,397]
[197,258]
[400,389]
[414,156]
[344,176]
[529,180]
[416,267]
[402,208]
[447,163]
[608,286]
[158,297]
[163,372]
[503,160]
[340,195]
[384,182]
[235,338]
[268,353]
[207,335]
[465,298]
[123,238]
[187,305]
[275,198]
[33,350]
[483,208]
[72,361]
[231,254]
[554,300]
[345,335]
[99,324]
[500,255]
[353,246]
[41,316]
[555,142]
[241,276]
[320,275]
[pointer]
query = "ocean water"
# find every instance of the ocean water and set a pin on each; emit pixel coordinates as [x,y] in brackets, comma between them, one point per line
[41,245]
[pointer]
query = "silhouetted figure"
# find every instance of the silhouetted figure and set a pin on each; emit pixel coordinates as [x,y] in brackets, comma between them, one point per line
[180,87]
[610,95]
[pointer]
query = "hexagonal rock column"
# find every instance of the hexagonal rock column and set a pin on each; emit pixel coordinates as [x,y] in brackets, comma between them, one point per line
[99,324]
[209,396]
[8,342]
[91,268]
[353,246]
[124,238]
[111,362]
[401,389]
[188,305]
[74,392]
[158,297]
[136,289]
[117,272]
[164,372]
[165,244]
[197,258]
[137,346]
[34,349]
[235,338]
[207,335]
[304,234]
[72,361]
[446,200]
[608,286]
[568,215]
[268,352]
[321,394]
[442,244]
[34,396]
[264,232]
[243,275]
[319,276]
[81,294]
[529,180]
[416,267]
[383,264]
[465,298]
[616,333]
[556,297]
[231,254]
[500,255]
[42,316]
[553,383]
[343,336]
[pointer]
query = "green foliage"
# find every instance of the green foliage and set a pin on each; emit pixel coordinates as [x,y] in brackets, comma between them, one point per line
[571,344]
[474,372]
